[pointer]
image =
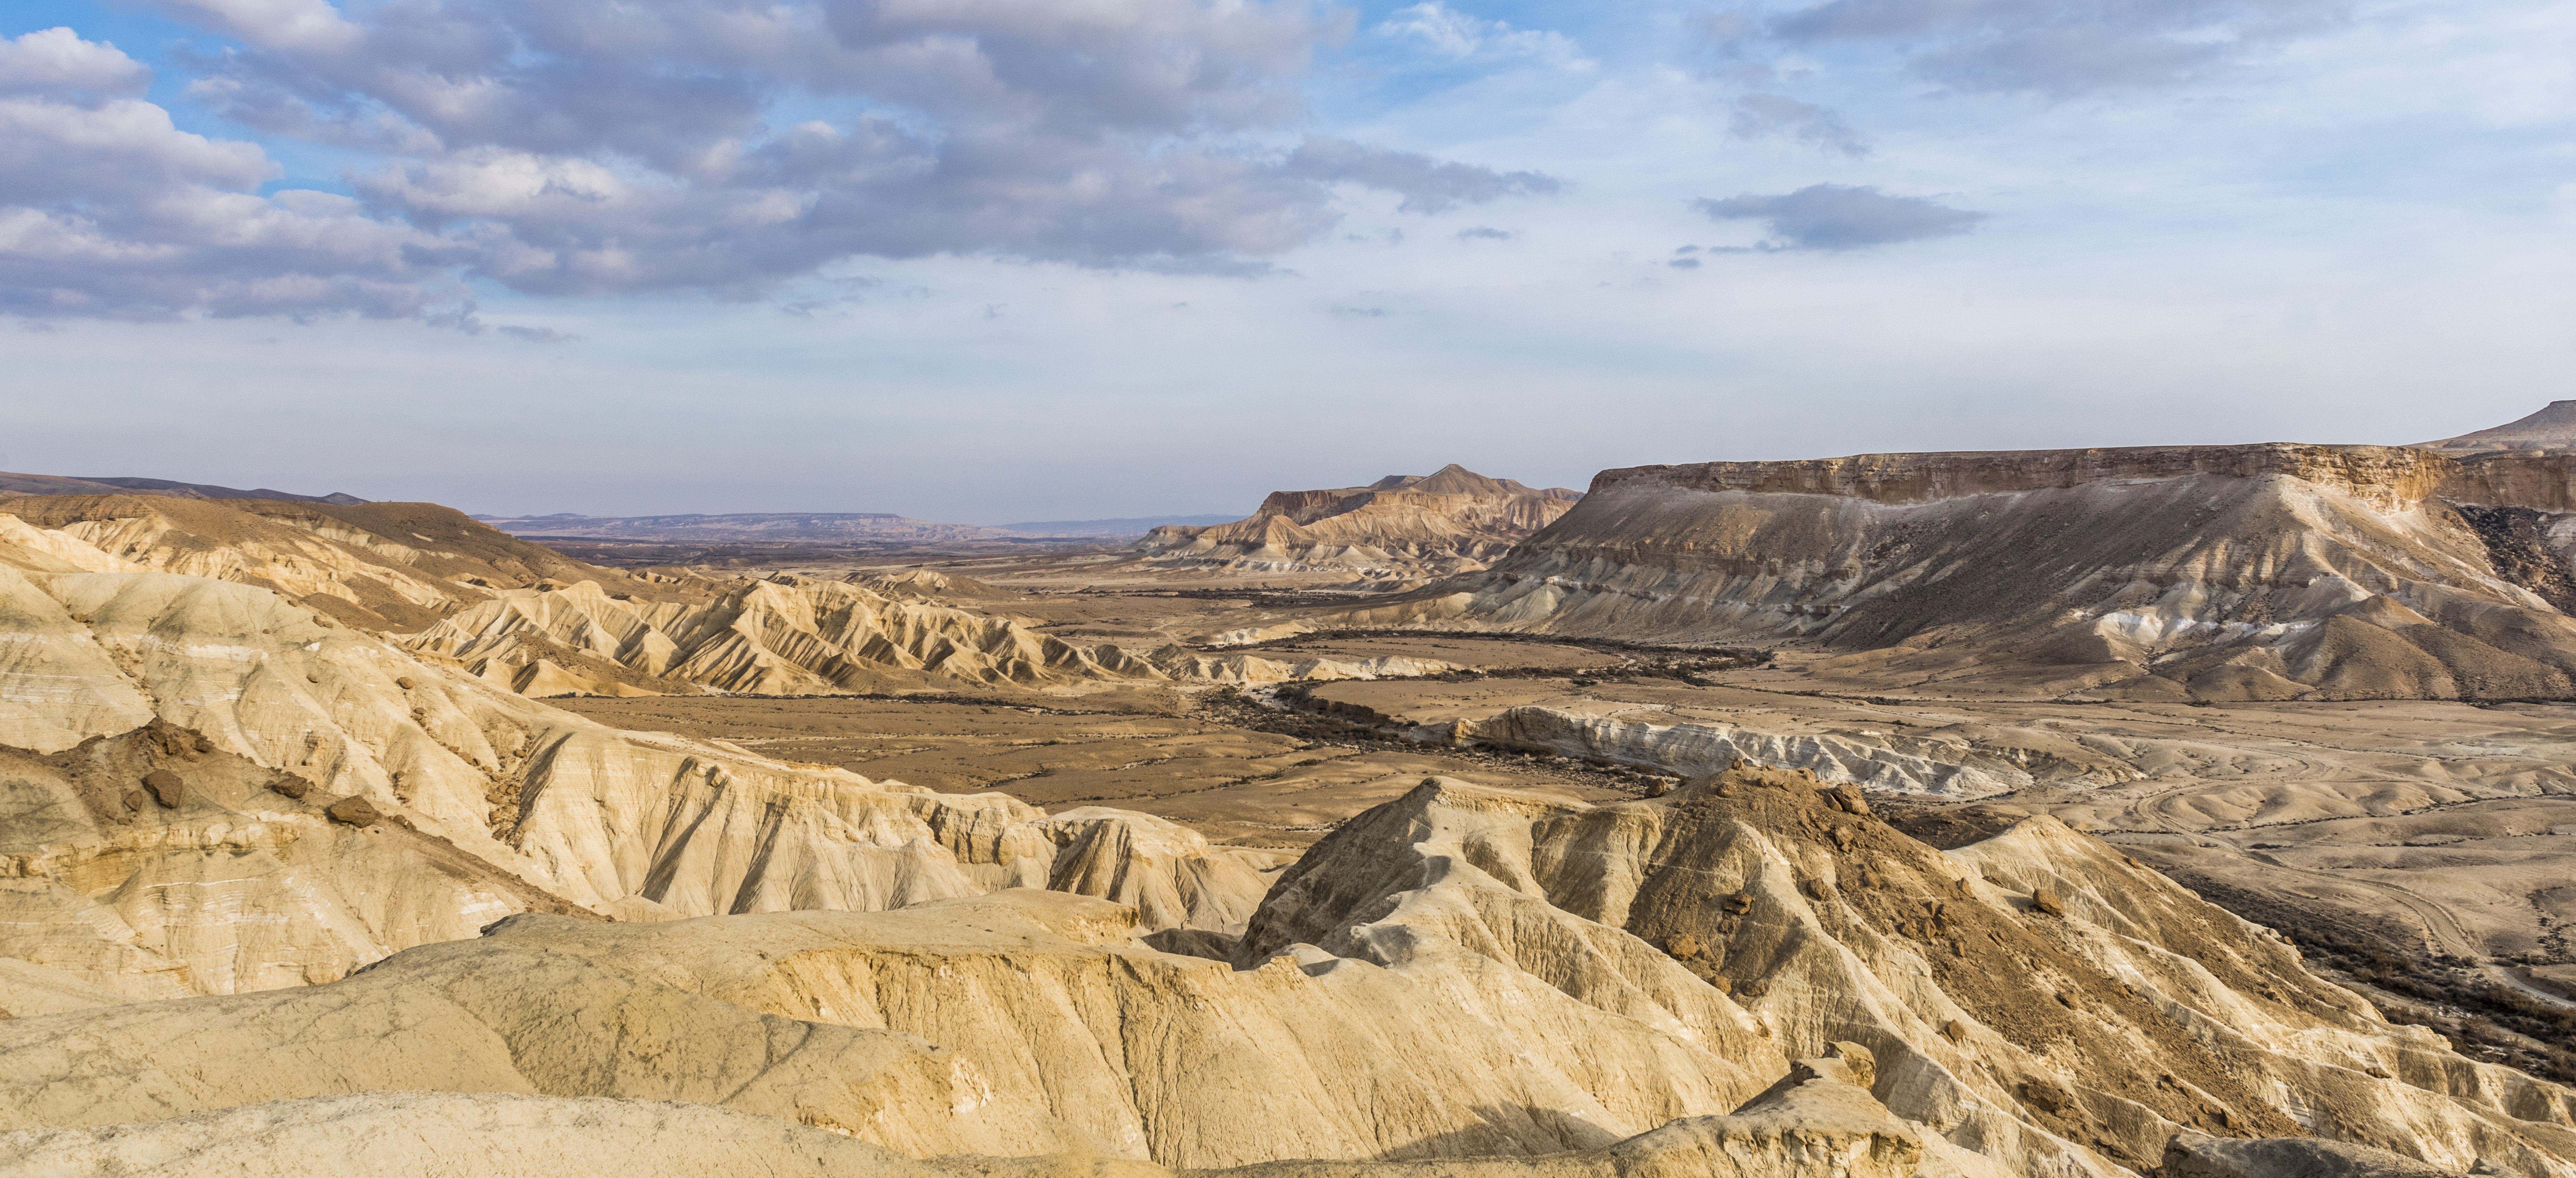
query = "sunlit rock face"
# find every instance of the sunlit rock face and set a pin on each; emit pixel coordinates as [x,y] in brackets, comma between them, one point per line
[1402,526]
[2228,572]
[1750,976]
[210,787]
[2034,996]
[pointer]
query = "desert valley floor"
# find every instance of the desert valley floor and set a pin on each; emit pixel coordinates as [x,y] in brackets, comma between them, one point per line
[2181,811]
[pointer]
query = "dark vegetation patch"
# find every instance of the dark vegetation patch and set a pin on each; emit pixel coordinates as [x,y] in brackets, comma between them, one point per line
[1947,827]
[2520,551]
[2388,963]
[1335,724]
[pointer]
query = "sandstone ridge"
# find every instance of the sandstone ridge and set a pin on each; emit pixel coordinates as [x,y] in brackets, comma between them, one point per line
[535,622]
[209,787]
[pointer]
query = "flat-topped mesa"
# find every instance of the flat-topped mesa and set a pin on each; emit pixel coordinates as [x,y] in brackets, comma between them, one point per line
[2267,571]
[2388,477]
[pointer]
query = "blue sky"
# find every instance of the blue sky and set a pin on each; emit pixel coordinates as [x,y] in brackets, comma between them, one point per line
[985,260]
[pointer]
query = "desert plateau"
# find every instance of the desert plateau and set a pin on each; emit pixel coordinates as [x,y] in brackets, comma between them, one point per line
[2101,812]
[1287,589]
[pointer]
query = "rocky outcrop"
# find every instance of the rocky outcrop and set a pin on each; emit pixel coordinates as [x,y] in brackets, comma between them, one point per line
[2234,572]
[1400,526]
[535,623]
[1750,977]
[2079,1041]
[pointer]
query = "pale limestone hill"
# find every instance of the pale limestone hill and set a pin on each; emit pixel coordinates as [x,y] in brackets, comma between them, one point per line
[1939,763]
[2232,572]
[790,635]
[1749,977]
[537,623]
[391,567]
[781,636]
[1399,526]
[2034,996]
[1820,1122]
[928,584]
[1021,1023]
[266,716]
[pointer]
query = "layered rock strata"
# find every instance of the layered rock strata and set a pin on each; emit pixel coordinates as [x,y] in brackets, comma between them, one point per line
[539,624]
[790,635]
[1400,526]
[1901,763]
[2233,572]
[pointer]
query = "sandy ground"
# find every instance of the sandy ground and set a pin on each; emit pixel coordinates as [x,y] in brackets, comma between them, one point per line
[1203,766]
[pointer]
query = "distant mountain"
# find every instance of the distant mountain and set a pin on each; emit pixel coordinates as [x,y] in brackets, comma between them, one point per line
[848,527]
[1400,526]
[53,484]
[2553,429]
[1137,526]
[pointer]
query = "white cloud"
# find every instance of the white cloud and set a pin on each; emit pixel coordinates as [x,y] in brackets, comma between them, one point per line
[108,209]
[58,62]
[570,151]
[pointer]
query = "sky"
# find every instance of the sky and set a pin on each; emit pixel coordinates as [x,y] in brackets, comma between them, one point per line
[994,260]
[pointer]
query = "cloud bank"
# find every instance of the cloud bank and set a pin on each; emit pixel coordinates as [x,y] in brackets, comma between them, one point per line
[713,146]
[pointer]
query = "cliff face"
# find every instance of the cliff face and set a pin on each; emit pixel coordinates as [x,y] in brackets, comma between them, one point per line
[2388,477]
[2226,572]
[1399,526]
[2540,482]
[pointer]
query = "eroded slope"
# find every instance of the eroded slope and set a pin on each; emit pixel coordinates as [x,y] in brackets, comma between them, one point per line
[2239,572]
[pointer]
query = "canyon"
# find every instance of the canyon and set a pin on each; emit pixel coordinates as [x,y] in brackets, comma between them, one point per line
[2173,810]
